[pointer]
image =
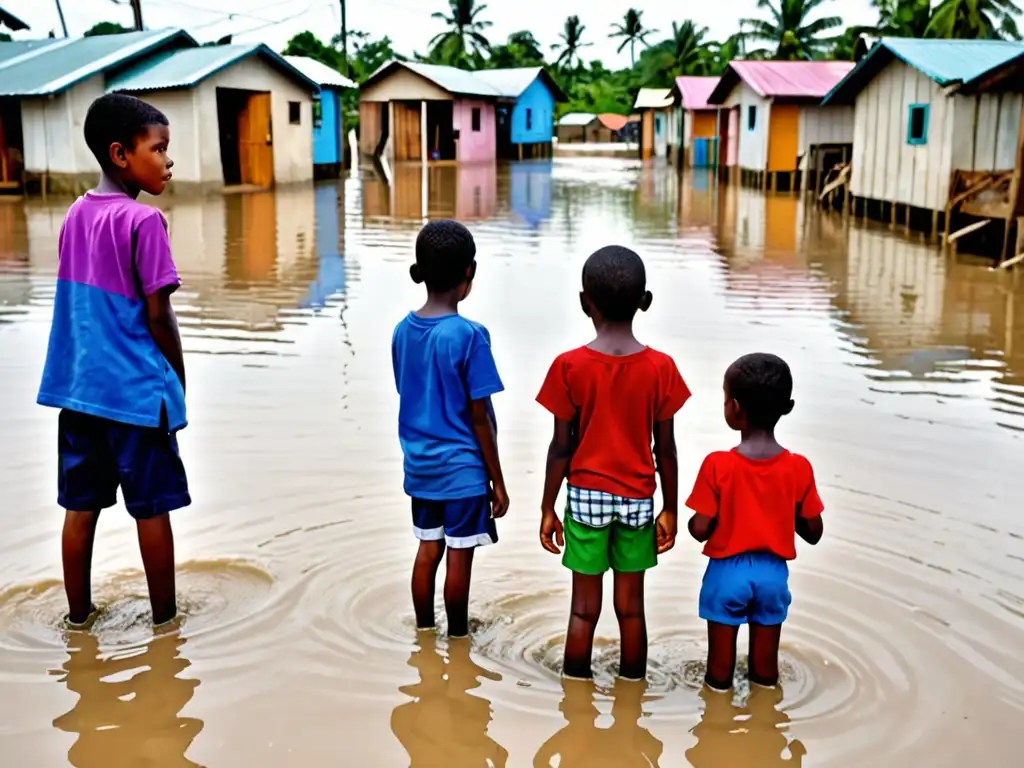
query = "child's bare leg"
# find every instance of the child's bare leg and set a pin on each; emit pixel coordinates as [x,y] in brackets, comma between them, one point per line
[764,654]
[586,609]
[156,541]
[456,590]
[721,655]
[629,609]
[424,575]
[76,550]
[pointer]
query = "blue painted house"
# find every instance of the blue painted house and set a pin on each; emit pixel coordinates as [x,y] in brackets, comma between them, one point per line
[328,125]
[525,112]
[530,192]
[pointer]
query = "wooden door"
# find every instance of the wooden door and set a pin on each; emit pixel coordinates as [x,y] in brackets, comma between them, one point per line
[783,134]
[256,141]
[407,130]
[647,135]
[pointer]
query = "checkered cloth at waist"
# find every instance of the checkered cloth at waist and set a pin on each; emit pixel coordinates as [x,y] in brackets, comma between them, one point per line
[598,509]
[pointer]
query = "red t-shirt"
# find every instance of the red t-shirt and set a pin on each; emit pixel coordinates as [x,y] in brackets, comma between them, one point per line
[756,501]
[619,399]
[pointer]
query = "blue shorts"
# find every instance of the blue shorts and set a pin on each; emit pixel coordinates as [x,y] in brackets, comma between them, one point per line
[95,456]
[750,587]
[462,523]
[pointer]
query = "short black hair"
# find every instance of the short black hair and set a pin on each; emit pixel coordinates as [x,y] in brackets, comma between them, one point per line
[615,281]
[118,117]
[445,251]
[762,384]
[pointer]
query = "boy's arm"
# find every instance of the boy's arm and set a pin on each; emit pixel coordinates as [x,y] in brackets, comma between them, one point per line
[163,326]
[704,501]
[560,451]
[809,525]
[810,529]
[483,427]
[701,526]
[668,469]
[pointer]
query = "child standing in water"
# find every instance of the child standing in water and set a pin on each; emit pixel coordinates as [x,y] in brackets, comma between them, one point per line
[749,504]
[608,399]
[114,365]
[445,374]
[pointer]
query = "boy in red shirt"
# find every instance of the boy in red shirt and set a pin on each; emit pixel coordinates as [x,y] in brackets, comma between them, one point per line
[608,399]
[749,504]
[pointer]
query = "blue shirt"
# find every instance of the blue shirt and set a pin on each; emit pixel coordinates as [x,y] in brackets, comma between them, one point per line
[113,252]
[441,364]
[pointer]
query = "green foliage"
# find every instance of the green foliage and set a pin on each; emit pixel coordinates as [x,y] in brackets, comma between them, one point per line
[632,31]
[521,50]
[4,37]
[464,39]
[788,33]
[106,28]
[570,45]
[975,20]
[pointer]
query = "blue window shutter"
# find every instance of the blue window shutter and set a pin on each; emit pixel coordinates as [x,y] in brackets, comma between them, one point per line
[917,124]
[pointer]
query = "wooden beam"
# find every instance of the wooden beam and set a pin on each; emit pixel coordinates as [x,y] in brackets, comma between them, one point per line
[836,183]
[968,229]
[987,181]
[1010,262]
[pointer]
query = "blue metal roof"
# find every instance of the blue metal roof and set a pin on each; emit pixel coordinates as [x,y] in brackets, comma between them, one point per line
[41,70]
[10,51]
[947,62]
[186,68]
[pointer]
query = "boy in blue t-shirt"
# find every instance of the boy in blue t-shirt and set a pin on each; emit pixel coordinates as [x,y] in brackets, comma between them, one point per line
[445,374]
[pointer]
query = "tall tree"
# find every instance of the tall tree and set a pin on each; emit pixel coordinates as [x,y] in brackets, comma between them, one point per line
[902,18]
[632,31]
[465,33]
[136,11]
[789,30]
[521,50]
[571,42]
[685,53]
[975,20]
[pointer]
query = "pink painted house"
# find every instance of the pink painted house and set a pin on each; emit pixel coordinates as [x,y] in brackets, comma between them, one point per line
[408,110]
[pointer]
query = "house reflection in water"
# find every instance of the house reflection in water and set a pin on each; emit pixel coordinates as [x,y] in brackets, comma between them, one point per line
[466,192]
[15,286]
[330,247]
[530,191]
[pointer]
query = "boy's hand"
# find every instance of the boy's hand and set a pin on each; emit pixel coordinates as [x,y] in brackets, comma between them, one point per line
[666,528]
[551,531]
[499,500]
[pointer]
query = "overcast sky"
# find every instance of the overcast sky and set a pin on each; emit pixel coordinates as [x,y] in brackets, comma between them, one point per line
[407,22]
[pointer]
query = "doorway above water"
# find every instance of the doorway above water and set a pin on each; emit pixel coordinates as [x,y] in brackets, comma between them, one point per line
[246,138]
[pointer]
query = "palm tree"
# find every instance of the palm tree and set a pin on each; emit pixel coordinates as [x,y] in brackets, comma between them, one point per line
[902,18]
[720,54]
[974,19]
[464,33]
[789,30]
[686,53]
[571,44]
[632,31]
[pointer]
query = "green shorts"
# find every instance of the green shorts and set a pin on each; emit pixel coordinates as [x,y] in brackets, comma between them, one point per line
[592,551]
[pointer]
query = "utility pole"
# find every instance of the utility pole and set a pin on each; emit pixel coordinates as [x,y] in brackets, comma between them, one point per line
[344,40]
[137,13]
[63,24]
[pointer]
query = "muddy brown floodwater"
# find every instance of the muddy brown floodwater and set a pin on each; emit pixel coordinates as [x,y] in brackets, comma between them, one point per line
[298,647]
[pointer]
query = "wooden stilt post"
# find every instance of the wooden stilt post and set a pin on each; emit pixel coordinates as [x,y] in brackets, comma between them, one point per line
[906,219]
[935,226]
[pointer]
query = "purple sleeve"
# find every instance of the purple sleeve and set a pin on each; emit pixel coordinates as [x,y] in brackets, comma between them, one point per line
[153,261]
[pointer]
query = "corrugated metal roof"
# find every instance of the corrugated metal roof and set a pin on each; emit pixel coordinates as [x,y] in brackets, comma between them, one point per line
[9,20]
[48,69]
[10,51]
[653,98]
[789,79]
[694,91]
[945,61]
[577,119]
[612,121]
[319,72]
[509,83]
[451,79]
[188,67]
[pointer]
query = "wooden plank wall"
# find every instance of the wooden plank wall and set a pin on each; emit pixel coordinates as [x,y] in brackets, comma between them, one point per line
[369,126]
[407,130]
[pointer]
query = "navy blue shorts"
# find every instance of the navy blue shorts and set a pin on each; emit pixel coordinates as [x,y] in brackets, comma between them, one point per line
[750,587]
[95,456]
[461,523]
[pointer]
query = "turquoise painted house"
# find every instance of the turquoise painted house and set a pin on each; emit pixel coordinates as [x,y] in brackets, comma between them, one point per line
[525,111]
[328,125]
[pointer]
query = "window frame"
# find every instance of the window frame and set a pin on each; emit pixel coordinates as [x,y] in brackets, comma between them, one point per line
[751,117]
[925,111]
[476,119]
[294,113]
[529,119]
[318,112]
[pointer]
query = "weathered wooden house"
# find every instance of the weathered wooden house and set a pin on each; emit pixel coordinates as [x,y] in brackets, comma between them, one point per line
[698,120]
[659,132]
[525,111]
[583,127]
[937,131]
[239,114]
[773,117]
[328,124]
[411,111]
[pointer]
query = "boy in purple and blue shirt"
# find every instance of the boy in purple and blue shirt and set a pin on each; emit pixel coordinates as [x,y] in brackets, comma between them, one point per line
[114,365]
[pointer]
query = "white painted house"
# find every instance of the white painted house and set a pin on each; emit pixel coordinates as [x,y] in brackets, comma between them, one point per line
[920,118]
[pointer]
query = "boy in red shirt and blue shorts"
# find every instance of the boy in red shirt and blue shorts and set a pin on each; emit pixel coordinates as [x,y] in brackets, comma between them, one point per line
[750,503]
[608,399]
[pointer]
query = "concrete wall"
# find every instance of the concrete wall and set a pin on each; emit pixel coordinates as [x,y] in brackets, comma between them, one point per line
[475,145]
[53,131]
[538,99]
[752,145]
[885,167]
[195,136]
[404,85]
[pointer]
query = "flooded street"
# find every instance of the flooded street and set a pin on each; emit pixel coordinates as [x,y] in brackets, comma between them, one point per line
[298,645]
